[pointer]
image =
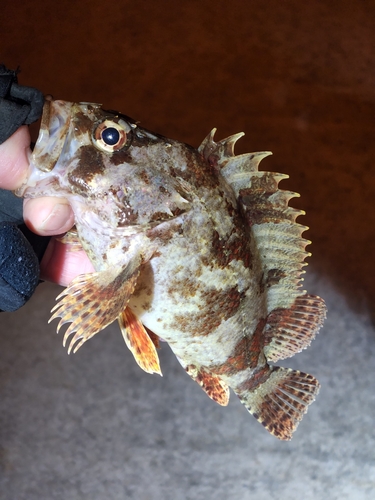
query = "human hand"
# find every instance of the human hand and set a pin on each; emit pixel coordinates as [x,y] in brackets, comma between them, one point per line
[19,255]
[44,216]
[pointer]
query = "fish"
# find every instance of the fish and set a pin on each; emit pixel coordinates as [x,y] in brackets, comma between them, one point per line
[195,247]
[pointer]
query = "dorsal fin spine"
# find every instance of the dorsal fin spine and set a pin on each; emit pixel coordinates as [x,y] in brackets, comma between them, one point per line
[276,236]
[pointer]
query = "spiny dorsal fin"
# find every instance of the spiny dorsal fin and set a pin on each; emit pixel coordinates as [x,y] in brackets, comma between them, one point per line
[277,237]
[222,155]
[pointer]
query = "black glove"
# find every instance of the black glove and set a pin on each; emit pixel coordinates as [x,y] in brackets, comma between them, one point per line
[19,105]
[20,249]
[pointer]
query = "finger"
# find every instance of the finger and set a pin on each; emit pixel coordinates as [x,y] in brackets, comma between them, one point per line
[61,264]
[14,160]
[48,216]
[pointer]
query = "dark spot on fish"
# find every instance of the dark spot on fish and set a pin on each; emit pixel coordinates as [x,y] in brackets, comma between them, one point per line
[126,217]
[245,354]
[122,156]
[256,203]
[260,375]
[165,231]
[217,306]
[82,122]
[274,276]
[198,172]
[145,178]
[233,247]
[183,287]
[261,284]
[159,216]
[90,164]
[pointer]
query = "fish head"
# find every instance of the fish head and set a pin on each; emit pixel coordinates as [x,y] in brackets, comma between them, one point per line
[104,160]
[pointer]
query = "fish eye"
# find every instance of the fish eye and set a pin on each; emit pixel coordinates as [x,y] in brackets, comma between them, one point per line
[110,136]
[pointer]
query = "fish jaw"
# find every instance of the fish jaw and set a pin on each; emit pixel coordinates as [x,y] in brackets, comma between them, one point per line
[53,132]
[55,123]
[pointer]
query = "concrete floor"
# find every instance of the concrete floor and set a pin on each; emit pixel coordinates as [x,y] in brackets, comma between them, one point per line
[299,79]
[94,426]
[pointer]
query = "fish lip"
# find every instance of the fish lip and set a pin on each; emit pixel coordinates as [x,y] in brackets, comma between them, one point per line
[55,124]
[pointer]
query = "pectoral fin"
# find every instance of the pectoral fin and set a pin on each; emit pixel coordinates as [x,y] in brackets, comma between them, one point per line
[93,301]
[139,342]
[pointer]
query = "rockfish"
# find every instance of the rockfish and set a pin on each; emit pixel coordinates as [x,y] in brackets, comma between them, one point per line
[193,246]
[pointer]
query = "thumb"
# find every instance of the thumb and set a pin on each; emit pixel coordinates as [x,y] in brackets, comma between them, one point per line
[14,160]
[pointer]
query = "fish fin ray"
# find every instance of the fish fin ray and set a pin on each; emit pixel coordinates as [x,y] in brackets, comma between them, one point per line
[139,341]
[71,238]
[93,301]
[288,331]
[155,338]
[276,237]
[279,399]
[212,385]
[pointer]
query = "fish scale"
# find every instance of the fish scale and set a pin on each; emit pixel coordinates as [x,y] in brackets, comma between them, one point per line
[193,246]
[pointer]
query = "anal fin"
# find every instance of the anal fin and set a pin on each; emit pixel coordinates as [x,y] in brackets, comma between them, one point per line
[279,399]
[288,331]
[212,385]
[139,342]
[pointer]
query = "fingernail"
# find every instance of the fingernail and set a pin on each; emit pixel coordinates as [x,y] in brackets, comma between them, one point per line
[57,219]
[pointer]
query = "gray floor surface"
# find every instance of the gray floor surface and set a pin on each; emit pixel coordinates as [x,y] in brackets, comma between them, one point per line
[94,426]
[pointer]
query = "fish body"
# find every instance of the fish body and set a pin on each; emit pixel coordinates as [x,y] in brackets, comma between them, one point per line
[193,246]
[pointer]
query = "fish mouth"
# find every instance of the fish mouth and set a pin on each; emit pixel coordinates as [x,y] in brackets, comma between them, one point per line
[53,131]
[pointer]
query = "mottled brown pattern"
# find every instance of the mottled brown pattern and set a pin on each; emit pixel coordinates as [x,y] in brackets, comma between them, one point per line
[303,318]
[233,247]
[126,216]
[217,306]
[82,122]
[122,156]
[256,202]
[246,354]
[90,164]
[183,287]
[198,173]
[259,377]
[139,342]
[165,232]
[274,276]
[280,411]
[210,383]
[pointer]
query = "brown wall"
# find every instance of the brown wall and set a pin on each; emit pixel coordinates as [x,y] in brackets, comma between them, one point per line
[298,77]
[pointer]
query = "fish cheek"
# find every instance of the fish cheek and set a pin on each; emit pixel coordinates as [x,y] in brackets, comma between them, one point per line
[89,165]
[122,156]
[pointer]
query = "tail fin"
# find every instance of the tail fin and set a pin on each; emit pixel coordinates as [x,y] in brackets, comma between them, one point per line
[281,400]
